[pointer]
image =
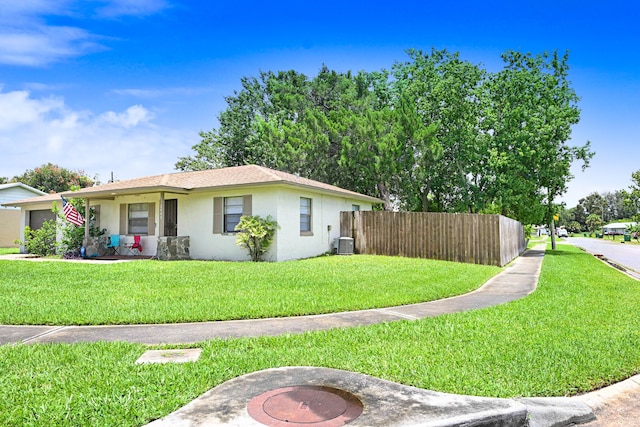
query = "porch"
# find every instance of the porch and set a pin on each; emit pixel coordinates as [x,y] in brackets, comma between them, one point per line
[168,248]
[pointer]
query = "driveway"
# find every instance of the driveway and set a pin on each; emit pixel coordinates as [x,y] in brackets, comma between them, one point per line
[625,254]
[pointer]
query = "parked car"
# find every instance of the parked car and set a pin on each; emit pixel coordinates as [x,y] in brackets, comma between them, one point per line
[562,232]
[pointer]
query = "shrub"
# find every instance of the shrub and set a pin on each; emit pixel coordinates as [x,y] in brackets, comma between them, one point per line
[73,236]
[256,234]
[528,231]
[43,240]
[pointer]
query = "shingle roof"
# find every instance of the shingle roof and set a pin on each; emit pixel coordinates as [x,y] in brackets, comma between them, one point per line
[619,224]
[188,182]
[21,185]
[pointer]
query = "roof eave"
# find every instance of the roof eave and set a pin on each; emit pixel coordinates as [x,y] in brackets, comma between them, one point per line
[111,193]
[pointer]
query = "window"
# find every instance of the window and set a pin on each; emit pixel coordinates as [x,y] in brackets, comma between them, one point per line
[138,218]
[305,215]
[232,213]
[355,208]
[227,212]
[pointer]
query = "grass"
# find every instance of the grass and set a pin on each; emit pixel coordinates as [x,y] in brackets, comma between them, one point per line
[577,332]
[63,293]
[7,251]
[536,240]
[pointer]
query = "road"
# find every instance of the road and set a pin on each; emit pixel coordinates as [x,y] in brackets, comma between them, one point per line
[625,254]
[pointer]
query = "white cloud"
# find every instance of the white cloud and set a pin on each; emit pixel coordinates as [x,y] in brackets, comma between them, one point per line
[18,110]
[27,40]
[12,8]
[133,116]
[35,131]
[117,8]
[157,93]
[40,45]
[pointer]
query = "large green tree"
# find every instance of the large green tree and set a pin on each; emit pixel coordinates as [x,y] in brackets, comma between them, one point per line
[336,128]
[443,93]
[436,133]
[533,107]
[52,178]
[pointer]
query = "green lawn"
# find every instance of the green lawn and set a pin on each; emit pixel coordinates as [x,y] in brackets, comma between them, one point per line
[578,331]
[7,251]
[64,293]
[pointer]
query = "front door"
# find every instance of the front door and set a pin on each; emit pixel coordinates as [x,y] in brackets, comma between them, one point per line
[171,217]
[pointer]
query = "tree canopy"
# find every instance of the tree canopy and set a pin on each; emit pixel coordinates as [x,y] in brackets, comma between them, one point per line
[52,178]
[433,133]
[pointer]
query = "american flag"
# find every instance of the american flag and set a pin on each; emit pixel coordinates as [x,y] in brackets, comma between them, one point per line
[71,214]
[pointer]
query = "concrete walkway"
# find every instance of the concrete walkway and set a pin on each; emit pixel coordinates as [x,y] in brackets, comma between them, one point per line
[516,281]
[615,406]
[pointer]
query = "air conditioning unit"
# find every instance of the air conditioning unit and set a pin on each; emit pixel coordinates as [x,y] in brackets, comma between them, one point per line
[343,245]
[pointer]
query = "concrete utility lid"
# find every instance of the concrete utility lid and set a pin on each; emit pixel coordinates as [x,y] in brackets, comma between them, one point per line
[322,397]
[303,405]
[170,356]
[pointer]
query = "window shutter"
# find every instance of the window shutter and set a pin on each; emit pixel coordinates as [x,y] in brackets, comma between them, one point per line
[217,215]
[151,225]
[124,219]
[246,205]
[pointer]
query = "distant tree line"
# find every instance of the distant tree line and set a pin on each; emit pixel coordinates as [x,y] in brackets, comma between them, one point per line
[432,133]
[602,208]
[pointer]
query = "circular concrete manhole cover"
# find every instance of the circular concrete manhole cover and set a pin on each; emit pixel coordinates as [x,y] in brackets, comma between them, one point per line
[305,406]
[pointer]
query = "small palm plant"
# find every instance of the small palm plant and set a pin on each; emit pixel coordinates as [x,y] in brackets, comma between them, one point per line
[256,234]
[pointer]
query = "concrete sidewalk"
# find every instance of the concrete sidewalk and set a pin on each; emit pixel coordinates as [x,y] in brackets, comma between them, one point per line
[516,281]
[614,406]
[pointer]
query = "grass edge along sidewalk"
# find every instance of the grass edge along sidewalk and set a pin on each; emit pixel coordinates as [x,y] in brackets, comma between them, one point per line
[576,333]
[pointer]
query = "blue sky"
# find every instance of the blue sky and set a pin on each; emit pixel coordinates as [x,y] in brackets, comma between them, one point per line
[125,86]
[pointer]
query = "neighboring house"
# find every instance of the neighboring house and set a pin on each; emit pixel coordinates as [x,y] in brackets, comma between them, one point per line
[10,216]
[541,230]
[617,228]
[193,214]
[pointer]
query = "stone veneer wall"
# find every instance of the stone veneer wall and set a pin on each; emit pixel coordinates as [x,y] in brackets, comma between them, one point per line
[171,248]
[96,246]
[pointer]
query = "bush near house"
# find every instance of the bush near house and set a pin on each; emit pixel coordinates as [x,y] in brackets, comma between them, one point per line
[41,241]
[256,234]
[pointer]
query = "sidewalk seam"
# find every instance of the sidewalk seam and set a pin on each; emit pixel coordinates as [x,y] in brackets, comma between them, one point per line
[44,334]
[397,314]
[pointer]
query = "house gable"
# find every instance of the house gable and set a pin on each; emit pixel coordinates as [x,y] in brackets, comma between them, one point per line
[16,191]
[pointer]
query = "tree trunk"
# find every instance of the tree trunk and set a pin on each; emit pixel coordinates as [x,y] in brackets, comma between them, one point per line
[385,196]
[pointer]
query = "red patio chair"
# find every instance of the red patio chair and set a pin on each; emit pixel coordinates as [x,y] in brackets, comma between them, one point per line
[134,246]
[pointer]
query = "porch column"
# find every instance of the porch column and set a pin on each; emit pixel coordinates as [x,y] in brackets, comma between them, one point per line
[161,215]
[87,217]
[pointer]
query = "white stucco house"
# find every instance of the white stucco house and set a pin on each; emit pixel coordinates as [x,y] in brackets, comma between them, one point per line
[193,214]
[10,215]
[617,228]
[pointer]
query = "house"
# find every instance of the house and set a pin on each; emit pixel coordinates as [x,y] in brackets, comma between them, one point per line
[193,214]
[10,215]
[617,228]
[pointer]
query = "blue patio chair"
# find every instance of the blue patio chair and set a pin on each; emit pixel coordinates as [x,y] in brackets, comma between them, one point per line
[114,244]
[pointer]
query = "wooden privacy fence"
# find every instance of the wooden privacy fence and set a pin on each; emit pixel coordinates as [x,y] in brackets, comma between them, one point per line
[470,238]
